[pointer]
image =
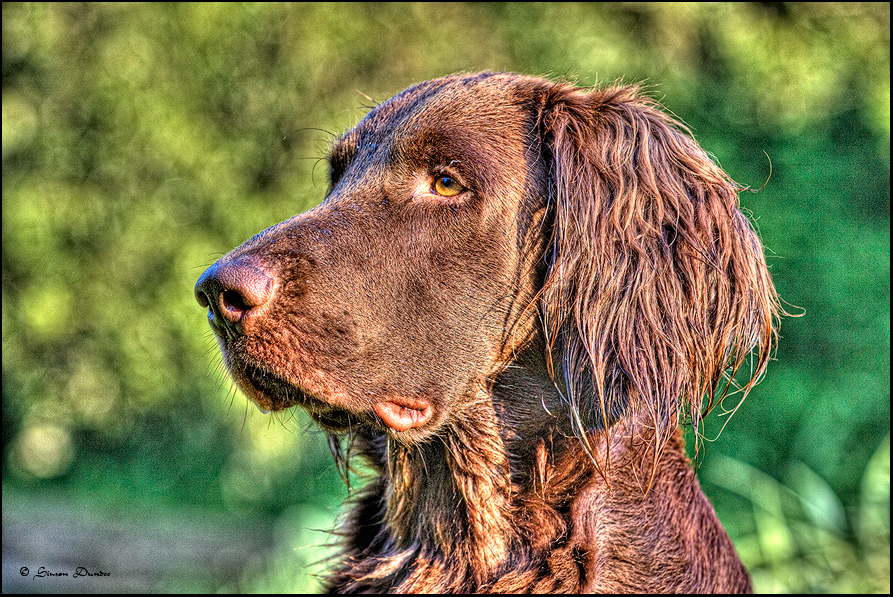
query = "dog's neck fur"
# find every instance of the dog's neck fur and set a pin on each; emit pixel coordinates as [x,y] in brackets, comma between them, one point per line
[461,511]
[459,514]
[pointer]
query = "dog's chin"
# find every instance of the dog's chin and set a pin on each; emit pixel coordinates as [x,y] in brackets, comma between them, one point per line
[404,417]
[334,420]
[271,392]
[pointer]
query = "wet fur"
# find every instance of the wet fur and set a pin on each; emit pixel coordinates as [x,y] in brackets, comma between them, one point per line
[514,362]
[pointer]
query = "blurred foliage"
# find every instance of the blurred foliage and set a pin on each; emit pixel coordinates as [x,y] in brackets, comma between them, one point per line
[142,141]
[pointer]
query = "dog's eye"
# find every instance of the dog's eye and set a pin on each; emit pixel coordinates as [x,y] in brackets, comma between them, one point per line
[447,186]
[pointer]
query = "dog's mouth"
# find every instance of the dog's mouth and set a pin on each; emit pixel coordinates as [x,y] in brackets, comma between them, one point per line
[267,389]
[271,392]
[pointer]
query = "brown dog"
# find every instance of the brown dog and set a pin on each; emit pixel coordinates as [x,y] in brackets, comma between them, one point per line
[512,296]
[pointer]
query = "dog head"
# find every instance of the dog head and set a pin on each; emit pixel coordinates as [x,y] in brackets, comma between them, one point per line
[474,219]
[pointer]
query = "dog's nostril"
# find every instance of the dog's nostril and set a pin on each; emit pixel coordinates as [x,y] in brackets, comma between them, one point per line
[232,302]
[230,291]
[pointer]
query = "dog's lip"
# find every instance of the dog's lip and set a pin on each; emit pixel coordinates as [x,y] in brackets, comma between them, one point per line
[268,399]
[331,419]
[403,413]
[271,392]
[268,391]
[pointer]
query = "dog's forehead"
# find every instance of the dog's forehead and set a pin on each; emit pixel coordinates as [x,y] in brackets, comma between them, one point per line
[482,102]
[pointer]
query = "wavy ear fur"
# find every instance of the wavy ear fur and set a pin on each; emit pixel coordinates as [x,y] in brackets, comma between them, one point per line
[657,289]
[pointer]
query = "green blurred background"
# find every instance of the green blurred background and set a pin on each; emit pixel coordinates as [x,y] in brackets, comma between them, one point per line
[143,141]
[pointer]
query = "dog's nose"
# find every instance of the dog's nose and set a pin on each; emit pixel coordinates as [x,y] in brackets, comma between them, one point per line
[231,292]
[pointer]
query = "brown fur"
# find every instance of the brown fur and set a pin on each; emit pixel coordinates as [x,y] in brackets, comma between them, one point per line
[514,361]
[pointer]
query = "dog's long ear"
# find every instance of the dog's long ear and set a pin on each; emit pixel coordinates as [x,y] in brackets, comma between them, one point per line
[657,289]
